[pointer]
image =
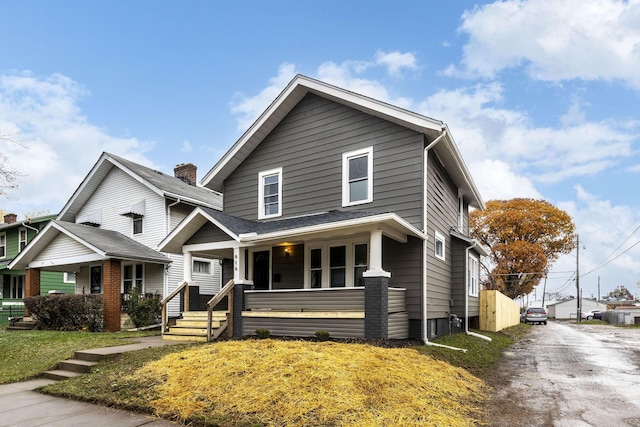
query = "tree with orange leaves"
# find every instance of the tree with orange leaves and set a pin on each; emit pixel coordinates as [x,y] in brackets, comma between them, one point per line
[525,238]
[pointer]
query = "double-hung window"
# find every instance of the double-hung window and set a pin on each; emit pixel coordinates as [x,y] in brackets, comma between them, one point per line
[201,266]
[22,239]
[132,276]
[315,265]
[473,275]
[337,264]
[270,193]
[439,246]
[3,245]
[357,177]
[137,223]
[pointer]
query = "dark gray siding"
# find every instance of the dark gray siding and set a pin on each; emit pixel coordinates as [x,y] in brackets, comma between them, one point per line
[288,270]
[308,144]
[344,299]
[404,262]
[442,215]
[338,328]
[208,233]
[458,249]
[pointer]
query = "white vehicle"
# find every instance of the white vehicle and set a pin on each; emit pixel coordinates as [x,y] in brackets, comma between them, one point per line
[592,314]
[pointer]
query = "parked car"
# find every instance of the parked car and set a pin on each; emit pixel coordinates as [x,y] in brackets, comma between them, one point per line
[592,314]
[535,315]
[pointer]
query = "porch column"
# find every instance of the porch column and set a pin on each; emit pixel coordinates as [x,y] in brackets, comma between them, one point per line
[238,308]
[32,282]
[375,256]
[239,267]
[188,266]
[376,292]
[111,277]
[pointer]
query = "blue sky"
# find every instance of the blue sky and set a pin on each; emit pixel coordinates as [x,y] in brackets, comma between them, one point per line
[541,96]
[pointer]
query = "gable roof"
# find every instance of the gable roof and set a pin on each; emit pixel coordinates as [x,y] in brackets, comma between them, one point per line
[27,221]
[103,244]
[302,85]
[162,184]
[251,232]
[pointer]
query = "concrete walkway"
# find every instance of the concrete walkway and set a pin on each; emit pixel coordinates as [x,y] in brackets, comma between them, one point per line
[21,406]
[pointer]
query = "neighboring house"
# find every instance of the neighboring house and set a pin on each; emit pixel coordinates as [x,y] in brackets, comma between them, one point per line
[14,237]
[344,214]
[108,232]
[567,309]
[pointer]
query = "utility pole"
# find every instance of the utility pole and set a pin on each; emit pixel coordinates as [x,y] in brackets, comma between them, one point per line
[598,289]
[578,315]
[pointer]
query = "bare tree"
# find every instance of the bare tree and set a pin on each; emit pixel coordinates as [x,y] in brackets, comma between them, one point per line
[8,176]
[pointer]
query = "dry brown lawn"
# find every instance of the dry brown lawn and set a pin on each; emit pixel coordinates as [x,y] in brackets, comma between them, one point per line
[303,383]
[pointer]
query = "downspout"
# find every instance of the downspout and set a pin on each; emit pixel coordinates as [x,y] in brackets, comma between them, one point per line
[425,322]
[25,225]
[466,298]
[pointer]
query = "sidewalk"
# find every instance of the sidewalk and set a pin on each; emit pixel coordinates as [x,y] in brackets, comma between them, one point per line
[21,406]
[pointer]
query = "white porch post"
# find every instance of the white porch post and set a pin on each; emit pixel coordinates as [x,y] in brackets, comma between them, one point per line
[188,266]
[375,256]
[239,267]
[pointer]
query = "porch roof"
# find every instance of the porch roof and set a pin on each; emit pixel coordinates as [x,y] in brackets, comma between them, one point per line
[81,244]
[250,231]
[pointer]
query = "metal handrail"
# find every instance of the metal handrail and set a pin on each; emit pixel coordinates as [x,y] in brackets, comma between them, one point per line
[226,290]
[171,296]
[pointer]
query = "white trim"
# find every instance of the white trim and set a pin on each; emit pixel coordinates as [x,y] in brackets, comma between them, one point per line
[346,194]
[65,277]
[261,205]
[473,269]
[68,260]
[3,237]
[134,278]
[326,246]
[439,237]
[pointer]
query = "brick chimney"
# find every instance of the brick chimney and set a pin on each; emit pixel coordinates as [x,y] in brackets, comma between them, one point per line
[186,172]
[10,218]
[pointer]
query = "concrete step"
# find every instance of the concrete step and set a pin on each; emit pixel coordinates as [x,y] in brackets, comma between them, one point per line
[171,336]
[188,323]
[22,326]
[76,365]
[60,374]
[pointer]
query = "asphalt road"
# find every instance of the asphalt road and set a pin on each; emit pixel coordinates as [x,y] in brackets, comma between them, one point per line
[569,375]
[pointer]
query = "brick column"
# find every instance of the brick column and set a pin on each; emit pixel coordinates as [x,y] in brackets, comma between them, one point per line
[32,282]
[111,275]
[376,307]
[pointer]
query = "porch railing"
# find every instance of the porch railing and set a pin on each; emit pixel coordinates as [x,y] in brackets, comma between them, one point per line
[165,319]
[227,290]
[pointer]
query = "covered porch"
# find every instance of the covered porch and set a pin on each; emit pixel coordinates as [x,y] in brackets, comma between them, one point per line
[297,276]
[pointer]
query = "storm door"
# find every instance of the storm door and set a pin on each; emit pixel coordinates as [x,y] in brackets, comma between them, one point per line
[261,270]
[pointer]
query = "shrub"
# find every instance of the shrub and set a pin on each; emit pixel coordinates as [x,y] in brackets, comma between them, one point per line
[323,335]
[67,312]
[144,310]
[263,333]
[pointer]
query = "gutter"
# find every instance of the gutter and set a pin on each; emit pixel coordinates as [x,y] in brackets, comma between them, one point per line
[24,224]
[425,324]
[466,298]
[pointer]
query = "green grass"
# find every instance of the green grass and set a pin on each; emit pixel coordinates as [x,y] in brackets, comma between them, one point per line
[482,357]
[26,354]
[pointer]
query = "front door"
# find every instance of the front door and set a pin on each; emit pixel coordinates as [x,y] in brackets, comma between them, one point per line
[261,270]
[96,279]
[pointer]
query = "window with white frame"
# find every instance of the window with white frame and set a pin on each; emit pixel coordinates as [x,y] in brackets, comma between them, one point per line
[22,239]
[69,277]
[439,246]
[137,221]
[3,245]
[473,276]
[201,266]
[315,267]
[460,212]
[360,263]
[357,177]
[132,275]
[270,193]
[17,287]
[337,266]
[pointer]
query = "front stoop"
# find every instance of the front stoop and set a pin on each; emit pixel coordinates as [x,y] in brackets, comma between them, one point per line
[193,326]
[70,368]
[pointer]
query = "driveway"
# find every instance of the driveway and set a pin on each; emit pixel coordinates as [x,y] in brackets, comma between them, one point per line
[564,374]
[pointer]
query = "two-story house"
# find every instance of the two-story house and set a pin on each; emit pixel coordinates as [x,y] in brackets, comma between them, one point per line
[341,214]
[14,236]
[107,235]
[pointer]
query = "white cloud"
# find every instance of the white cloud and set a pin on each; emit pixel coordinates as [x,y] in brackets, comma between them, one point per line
[607,233]
[57,145]
[554,40]
[395,62]
[186,147]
